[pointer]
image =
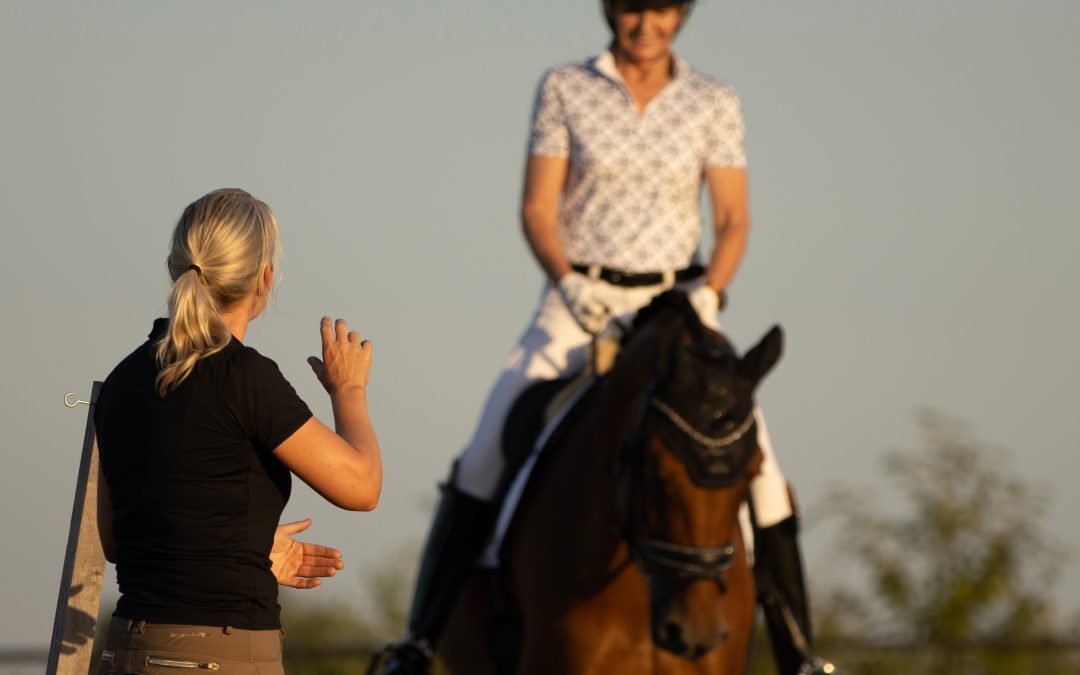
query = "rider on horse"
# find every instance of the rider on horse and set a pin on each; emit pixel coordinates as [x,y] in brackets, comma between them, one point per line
[620,148]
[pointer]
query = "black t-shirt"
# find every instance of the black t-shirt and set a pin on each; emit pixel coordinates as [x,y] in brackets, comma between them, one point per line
[196,491]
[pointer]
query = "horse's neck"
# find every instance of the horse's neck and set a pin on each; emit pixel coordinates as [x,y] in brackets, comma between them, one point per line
[602,436]
[582,464]
[570,511]
[621,394]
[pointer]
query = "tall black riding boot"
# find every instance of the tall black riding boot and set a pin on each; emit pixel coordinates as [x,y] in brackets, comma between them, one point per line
[778,572]
[461,527]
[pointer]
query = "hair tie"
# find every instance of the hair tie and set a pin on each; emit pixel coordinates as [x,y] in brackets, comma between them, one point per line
[198,270]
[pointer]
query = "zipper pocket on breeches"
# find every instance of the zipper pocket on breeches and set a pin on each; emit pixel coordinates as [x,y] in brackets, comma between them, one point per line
[108,655]
[177,663]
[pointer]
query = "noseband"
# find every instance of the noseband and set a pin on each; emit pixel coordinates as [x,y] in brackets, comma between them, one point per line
[688,562]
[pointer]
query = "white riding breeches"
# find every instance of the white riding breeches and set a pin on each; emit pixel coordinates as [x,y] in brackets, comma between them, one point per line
[554,346]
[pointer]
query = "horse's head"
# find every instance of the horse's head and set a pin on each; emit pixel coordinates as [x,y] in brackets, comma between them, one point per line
[686,467]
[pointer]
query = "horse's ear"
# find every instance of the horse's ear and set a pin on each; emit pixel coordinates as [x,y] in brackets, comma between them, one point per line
[760,360]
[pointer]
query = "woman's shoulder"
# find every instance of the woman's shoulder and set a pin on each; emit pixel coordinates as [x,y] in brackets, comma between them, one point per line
[707,83]
[568,71]
[248,359]
[141,358]
[246,373]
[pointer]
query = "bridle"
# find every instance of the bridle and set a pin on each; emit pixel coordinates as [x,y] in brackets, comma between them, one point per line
[712,446]
[688,563]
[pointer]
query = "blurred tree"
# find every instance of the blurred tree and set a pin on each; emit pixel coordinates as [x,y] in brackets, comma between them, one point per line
[331,638]
[960,577]
[964,565]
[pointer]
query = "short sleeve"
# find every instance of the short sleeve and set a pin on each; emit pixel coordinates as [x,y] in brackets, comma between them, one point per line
[726,132]
[548,135]
[266,405]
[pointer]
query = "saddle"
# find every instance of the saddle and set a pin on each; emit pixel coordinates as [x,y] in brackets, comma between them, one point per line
[536,419]
[533,415]
[545,408]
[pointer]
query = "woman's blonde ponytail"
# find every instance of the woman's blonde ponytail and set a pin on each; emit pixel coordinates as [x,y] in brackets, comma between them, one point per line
[220,247]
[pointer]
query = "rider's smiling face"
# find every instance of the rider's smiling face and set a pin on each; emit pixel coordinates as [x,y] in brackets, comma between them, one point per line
[645,36]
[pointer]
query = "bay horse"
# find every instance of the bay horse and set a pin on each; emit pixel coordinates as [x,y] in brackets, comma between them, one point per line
[626,554]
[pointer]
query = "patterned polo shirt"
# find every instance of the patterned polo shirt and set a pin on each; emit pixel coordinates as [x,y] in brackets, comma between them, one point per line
[633,188]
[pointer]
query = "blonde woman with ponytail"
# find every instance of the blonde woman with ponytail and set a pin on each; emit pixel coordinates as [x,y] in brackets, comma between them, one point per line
[198,436]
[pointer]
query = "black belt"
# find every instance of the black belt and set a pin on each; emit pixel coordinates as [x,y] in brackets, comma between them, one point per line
[620,278]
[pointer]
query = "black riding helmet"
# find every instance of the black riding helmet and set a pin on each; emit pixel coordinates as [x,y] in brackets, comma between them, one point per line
[613,6]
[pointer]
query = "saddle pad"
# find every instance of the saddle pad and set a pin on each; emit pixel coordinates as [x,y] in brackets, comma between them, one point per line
[557,411]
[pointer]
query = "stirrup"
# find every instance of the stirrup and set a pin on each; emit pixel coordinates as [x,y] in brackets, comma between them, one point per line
[816,666]
[405,657]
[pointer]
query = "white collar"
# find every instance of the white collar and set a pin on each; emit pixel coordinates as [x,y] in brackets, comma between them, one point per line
[605,65]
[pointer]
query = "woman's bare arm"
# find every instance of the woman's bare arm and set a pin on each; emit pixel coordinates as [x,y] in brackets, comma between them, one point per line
[544,180]
[731,223]
[343,465]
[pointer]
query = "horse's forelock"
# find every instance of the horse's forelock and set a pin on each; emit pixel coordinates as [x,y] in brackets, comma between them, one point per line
[667,317]
[672,300]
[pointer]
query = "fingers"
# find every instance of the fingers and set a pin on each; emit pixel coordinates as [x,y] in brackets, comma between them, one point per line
[337,330]
[333,330]
[327,570]
[302,584]
[307,575]
[346,357]
[326,331]
[312,561]
[329,562]
[292,528]
[319,551]
[343,334]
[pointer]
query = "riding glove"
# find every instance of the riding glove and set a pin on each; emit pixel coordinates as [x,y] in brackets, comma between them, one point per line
[706,301]
[582,297]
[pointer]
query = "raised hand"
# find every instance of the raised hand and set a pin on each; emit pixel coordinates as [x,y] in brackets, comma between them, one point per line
[346,358]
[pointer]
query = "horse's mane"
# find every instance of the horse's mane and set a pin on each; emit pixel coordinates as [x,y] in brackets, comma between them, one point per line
[671,313]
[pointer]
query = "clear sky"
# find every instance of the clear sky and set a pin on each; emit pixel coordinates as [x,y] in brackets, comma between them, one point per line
[913,171]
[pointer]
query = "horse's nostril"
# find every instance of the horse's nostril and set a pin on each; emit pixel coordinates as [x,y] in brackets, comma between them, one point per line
[672,638]
[673,633]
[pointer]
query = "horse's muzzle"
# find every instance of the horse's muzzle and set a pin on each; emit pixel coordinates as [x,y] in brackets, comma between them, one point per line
[683,641]
[689,634]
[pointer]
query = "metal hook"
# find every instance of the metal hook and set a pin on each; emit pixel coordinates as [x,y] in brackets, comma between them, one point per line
[77,401]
